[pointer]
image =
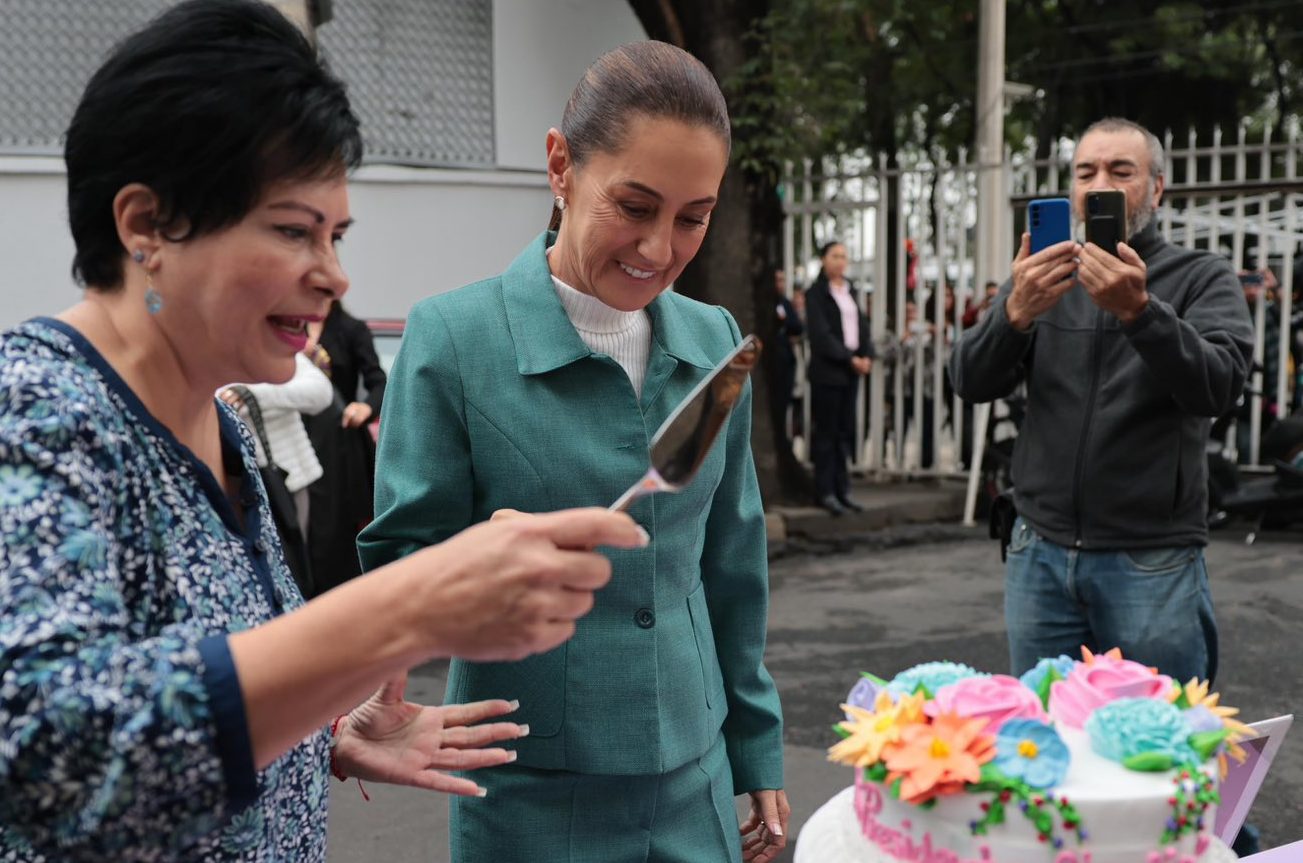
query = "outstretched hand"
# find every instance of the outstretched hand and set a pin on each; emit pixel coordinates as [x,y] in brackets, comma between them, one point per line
[515,585]
[764,833]
[389,739]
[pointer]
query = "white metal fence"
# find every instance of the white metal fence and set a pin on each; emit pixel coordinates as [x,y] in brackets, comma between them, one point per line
[1240,198]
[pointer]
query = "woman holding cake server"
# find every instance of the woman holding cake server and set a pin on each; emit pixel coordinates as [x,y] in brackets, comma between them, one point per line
[165,693]
[540,388]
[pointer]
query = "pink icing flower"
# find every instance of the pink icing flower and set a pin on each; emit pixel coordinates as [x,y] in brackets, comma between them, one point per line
[997,699]
[1100,681]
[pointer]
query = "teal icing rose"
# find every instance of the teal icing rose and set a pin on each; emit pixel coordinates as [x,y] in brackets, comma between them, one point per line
[1141,733]
[932,676]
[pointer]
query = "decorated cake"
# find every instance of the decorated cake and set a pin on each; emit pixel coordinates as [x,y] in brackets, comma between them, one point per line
[1098,760]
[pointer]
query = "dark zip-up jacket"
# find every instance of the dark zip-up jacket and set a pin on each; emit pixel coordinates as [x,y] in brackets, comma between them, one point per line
[1111,454]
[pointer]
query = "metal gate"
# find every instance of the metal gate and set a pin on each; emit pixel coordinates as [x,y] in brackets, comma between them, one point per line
[1238,198]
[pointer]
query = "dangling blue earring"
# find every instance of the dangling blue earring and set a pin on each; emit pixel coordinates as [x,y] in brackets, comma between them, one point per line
[153,299]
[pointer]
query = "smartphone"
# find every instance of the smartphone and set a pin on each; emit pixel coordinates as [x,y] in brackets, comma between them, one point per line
[1049,221]
[1106,219]
[1250,278]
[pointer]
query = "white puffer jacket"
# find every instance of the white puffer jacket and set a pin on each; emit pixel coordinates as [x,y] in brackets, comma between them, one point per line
[308,392]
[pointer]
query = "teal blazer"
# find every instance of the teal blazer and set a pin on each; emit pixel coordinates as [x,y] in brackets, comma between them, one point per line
[494,401]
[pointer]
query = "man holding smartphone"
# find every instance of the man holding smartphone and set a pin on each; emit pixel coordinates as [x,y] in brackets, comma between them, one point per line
[1126,359]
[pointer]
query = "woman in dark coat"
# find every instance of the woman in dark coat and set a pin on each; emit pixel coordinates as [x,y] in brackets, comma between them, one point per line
[839,356]
[340,502]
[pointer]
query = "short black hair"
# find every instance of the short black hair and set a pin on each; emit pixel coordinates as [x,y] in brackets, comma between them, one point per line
[209,104]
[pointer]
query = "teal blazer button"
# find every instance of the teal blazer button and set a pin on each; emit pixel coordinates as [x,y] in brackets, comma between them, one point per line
[644,618]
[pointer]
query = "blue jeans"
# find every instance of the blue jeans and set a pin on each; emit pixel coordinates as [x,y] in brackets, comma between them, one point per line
[1154,603]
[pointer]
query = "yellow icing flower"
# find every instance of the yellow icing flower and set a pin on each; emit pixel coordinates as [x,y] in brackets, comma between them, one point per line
[1197,695]
[872,731]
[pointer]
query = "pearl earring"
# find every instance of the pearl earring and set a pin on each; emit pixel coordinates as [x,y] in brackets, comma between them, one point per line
[138,256]
[559,202]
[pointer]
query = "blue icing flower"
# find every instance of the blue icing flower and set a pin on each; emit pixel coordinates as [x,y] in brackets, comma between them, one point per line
[1062,664]
[1032,751]
[932,675]
[863,694]
[1135,726]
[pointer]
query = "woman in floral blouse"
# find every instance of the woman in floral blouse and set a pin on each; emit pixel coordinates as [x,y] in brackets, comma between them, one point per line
[165,693]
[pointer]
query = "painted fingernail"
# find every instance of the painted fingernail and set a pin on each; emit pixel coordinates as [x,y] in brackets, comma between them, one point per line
[643,536]
[514,704]
[483,792]
[512,756]
[524,730]
[776,829]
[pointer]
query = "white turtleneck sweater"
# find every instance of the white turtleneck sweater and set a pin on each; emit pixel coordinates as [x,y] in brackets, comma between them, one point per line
[623,336]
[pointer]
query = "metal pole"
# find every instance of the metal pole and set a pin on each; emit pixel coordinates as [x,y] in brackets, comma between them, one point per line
[991,199]
[981,419]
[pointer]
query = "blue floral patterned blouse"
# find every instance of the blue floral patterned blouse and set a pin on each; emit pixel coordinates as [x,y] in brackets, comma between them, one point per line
[123,566]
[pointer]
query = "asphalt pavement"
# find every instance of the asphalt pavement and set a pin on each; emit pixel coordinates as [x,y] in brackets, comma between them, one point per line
[883,600]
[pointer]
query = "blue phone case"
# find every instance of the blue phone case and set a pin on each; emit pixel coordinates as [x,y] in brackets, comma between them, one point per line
[1050,221]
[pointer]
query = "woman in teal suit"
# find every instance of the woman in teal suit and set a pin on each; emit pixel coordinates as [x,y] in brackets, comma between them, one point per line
[540,388]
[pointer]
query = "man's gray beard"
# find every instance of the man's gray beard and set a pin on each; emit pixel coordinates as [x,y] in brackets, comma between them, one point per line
[1143,215]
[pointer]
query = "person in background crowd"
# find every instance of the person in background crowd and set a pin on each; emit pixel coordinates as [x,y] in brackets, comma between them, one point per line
[976,310]
[274,412]
[841,353]
[1123,376]
[165,693]
[341,500]
[541,387]
[790,330]
[282,407]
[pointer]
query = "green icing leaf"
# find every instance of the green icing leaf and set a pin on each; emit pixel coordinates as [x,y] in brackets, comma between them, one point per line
[924,691]
[1047,680]
[1149,762]
[895,788]
[874,679]
[841,730]
[1206,742]
[1181,701]
[996,815]
[928,804]
[876,773]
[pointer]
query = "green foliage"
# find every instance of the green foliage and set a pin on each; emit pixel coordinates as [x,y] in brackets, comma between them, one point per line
[825,77]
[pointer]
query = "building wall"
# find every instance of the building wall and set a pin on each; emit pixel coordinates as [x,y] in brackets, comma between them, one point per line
[419,230]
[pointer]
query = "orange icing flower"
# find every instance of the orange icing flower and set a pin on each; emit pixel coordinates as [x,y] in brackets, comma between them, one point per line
[939,758]
[872,731]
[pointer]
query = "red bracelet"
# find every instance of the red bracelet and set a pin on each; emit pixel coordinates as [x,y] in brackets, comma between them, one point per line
[334,739]
[335,769]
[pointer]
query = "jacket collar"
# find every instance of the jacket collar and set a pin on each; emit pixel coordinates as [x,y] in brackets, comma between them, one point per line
[544,337]
[1148,241]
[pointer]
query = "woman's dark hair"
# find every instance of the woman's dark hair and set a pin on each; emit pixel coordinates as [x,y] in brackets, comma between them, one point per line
[823,253]
[641,79]
[209,104]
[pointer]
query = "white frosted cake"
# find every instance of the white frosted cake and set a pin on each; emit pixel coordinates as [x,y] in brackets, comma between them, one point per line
[1094,761]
